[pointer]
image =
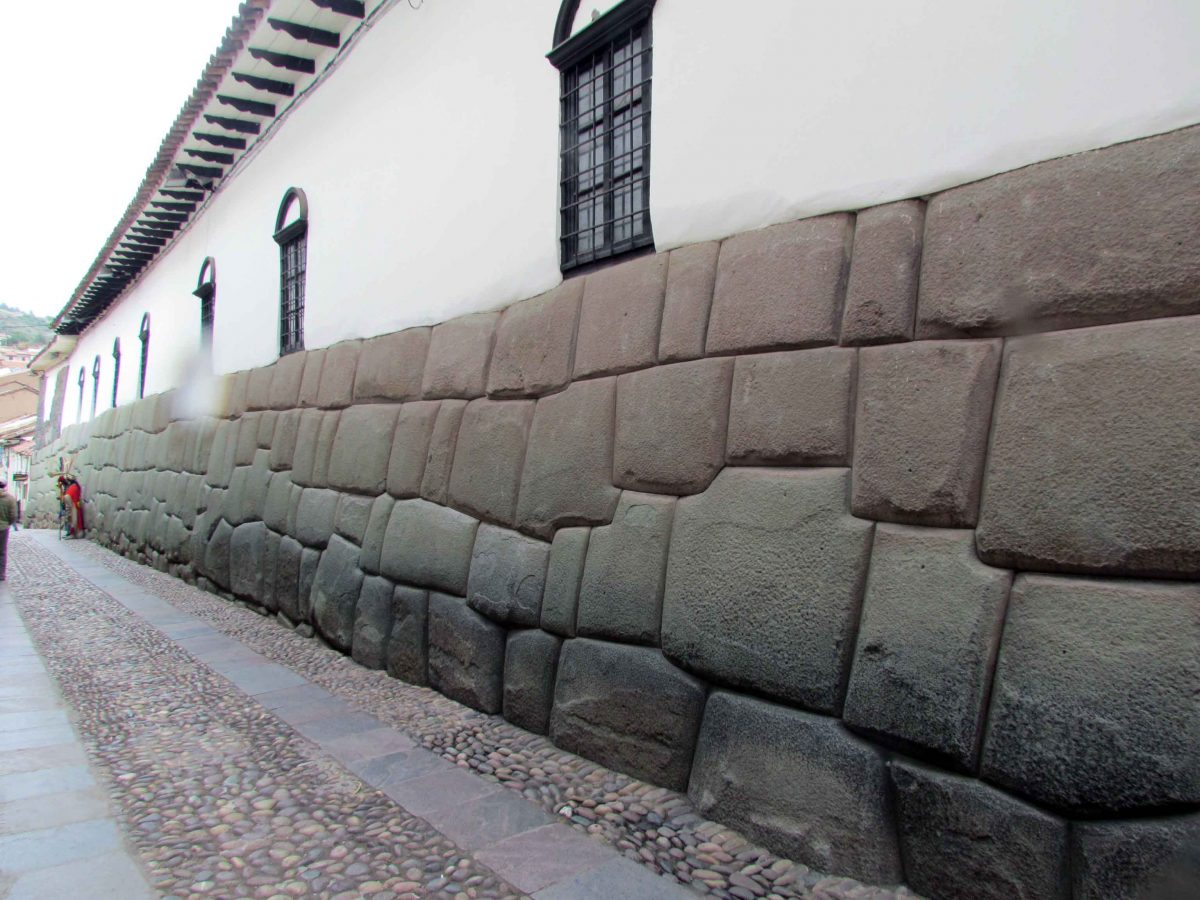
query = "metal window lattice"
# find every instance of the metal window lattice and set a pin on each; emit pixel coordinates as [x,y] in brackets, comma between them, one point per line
[605,155]
[206,321]
[292,256]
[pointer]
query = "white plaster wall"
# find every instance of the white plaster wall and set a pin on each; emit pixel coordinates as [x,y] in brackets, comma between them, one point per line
[429,157]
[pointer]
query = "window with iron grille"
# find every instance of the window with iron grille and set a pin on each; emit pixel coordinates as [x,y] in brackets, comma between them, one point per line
[116,369]
[144,337]
[604,154]
[82,379]
[95,384]
[206,291]
[292,238]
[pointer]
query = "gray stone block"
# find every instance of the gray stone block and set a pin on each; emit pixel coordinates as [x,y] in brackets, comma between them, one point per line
[235,395]
[961,838]
[1093,463]
[283,444]
[798,783]
[285,386]
[466,654]
[792,408]
[266,428]
[1142,859]
[764,584]
[671,424]
[628,709]
[358,460]
[408,647]
[530,664]
[390,366]
[258,388]
[411,447]
[251,499]
[428,545]
[620,316]
[310,561]
[927,642]
[335,591]
[620,596]
[352,517]
[310,384]
[372,623]
[373,537]
[459,352]
[567,479]
[535,343]
[287,578]
[435,481]
[1107,236]
[1094,703]
[324,449]
[488,457]
[691,274]
[508,571]
[216,556]
[305,456]
[246,549]
[921,431]
[314,518]
[337,375]
[560,598]
[881,297]
[268,596]
[781,286]
[247,439]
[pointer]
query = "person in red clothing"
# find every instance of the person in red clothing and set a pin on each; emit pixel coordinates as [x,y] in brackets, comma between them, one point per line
[72,494]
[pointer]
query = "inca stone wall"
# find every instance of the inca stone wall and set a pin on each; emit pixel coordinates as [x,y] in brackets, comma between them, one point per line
[877,533]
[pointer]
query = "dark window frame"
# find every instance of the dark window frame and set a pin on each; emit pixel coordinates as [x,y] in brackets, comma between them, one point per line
[82,380]
[605,145]
[116,354]
[95,384]
[292,239]
[144,337]
[206,291]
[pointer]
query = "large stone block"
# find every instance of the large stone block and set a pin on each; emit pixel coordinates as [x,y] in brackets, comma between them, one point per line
[266,428]
[1094,704]
[671,423]
[287,578]
[285,386]
[352,517]
[567,479]
[881,297]
[781,286]
[314,518]
[247,439]
[310,384]
[337,375]
[620,596]
[530,664]
[408,646]
[410,448]
[376,531]
[620,317]
[324,449]
[459,352]
[1107,236]
[560,598]
[310,561]
[1141,859]
[961,838]
[216,555]
[927,642]
[258,388]
[268,596]
[439,462]
[691,273]
[283,443]
[428,545]
[246,548]
[307,437]
[799,783]
[508,571]
[466,654]
[628,709]
[390,366]
[372,623]
[335,592]
[535,343]
[358,460]
[1093,464]
[488,457]
[792,408]
[764,583]
[921,431]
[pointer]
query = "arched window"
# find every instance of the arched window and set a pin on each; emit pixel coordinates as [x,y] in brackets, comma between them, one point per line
[206,290]
[82,379]
[291,234]
[604,153]
[144,337]
[116,369]
[95,383]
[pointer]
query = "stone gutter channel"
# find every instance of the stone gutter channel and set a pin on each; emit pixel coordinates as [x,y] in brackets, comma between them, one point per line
[469,832]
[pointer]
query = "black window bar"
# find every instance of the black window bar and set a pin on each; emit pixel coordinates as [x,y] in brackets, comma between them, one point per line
[95,384]
[82,379]
[144,337]
[605,138]
[206,290]
[116,353]
[292,239]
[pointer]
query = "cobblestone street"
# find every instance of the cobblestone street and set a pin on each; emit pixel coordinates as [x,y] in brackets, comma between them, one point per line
[242,759]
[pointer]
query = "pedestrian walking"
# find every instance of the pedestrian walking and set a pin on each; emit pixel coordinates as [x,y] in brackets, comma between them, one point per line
[9,513]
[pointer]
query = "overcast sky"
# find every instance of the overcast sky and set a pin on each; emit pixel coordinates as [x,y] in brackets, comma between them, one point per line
[87,97]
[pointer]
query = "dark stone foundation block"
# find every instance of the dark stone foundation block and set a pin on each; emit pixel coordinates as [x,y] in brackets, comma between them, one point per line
[530,664]
[1143,859]
[466,654]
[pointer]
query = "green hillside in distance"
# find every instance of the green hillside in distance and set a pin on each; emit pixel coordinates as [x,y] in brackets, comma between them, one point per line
[23,329]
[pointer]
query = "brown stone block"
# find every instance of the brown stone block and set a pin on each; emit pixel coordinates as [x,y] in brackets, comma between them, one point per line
[457,362]
[361,448]
[881,297]
[691,274]
[310,384]
[490,451]
[410,447]
[535,343]
[1107,236]
[620,317]
[337,375]
[671,423]
[781,286]
[921,431]
[285,386]
[390,367]
[258,389]
[435,481]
